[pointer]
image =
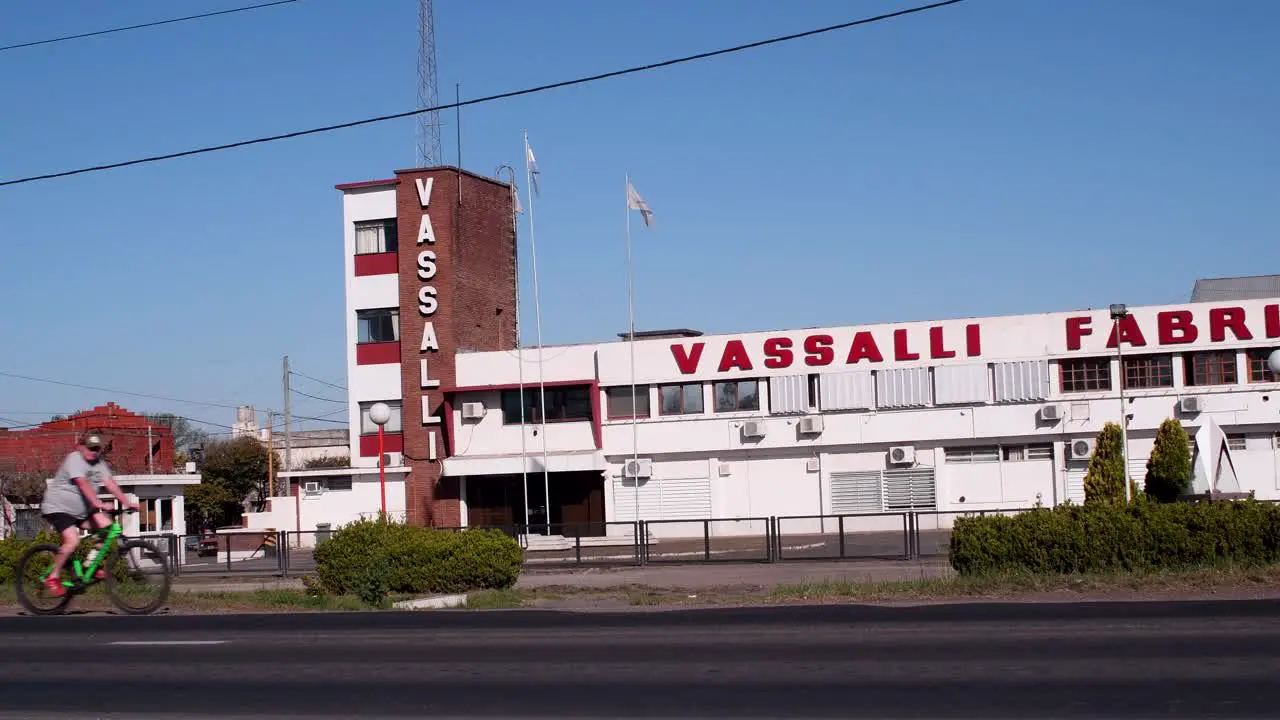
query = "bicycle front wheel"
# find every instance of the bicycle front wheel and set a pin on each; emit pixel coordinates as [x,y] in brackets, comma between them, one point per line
[28,580]
[138,577]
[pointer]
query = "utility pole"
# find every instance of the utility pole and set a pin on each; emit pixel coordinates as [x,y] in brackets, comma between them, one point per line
[288,419]
[271,454]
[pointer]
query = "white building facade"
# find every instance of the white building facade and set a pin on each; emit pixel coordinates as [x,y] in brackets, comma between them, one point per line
[953,415]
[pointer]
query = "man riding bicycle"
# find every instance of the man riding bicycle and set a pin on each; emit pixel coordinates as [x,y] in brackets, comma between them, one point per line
[71,499]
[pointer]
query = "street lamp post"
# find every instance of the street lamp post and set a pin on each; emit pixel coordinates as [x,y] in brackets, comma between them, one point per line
[1273,361]
[380,413]
[1119,312]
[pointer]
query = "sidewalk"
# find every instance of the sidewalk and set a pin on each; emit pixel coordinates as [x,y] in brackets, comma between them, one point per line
[711,575]
[706,575]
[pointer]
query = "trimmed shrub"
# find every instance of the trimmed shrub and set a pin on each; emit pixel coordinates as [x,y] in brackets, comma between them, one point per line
[1106,537]
[1169,467]
[1104,481]
[372,558]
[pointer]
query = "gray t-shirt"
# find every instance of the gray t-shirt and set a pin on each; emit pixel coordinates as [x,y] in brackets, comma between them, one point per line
[63,495]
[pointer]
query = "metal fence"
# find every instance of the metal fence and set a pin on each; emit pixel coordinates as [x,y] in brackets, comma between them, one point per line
[898,536]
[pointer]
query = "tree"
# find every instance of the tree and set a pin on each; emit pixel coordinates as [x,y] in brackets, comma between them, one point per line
[209,505]
[185,434]
[1169,467]
[1105,479]
[21,487]
[239,465]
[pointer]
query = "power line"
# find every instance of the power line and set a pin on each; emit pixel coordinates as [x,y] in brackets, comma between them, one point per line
[149,396]
[116,392]
[317,397]
[486,99]
[64,38]
[322,382]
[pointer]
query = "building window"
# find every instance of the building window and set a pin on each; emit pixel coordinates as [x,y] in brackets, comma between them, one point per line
[368,427]
[972,455]
[564,404]
[618,402]
[1148,371]
[378,326]
[683,399]
[737,395]
[1212,367]
[1020,453]
[376,236]
[335,483]
[1258,370]
[1085,374]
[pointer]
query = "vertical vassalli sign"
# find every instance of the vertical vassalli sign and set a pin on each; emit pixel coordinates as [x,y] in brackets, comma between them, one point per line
[428,305]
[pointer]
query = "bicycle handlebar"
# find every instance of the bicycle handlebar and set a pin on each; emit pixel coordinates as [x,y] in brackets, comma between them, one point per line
[117,512]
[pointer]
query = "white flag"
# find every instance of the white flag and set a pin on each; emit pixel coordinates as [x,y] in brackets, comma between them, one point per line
[532,165]
[635,202]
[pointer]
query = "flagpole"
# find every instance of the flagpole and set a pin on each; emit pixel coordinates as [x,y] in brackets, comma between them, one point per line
[537,310]
[631,321]
[515,229]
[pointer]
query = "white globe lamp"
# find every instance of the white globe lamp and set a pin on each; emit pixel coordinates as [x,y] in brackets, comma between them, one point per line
[380,413]
[1273,361]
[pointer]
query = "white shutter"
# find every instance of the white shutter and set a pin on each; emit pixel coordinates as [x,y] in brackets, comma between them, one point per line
[903,387]
[662,499]
[856,492]
[910,489]
[1075,486]
[1024,381]
[961,384]
[789,394]
[847,391]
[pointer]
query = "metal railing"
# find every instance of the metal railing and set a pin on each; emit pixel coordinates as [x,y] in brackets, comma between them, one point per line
[885,537]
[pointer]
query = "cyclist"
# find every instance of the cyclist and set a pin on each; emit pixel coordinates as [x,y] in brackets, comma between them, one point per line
[71,500]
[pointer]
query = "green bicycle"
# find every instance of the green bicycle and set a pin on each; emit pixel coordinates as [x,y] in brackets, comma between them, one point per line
[127,564]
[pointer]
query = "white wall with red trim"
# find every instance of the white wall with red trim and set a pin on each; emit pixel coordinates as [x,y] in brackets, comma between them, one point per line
[771,475]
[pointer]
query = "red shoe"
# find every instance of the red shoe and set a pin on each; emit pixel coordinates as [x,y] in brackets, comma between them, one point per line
[54,587]
[100,574]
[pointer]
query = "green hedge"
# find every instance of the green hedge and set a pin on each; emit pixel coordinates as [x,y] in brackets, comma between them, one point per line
[372,558]
[1109,538]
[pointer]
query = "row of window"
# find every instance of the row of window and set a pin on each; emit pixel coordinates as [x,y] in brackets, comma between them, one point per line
[1199,369]
[573,403]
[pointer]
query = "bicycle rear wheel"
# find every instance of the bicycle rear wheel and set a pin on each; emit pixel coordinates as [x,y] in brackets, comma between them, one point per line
[28,580]
[138,577]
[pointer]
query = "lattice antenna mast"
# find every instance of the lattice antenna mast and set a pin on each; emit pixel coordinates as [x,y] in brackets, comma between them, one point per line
[428,123]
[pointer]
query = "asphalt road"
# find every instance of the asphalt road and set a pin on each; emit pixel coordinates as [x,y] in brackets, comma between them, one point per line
[1113,660]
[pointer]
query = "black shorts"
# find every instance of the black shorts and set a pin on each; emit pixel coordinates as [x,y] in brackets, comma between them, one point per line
[62,521]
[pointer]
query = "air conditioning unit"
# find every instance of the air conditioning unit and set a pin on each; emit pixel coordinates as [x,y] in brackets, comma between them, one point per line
[1080,449]
[391,459]
[1051,413]
[902,455]
[637,468]
[811,425]
[472,411]
[1190,405]
[753,429]
[311,488]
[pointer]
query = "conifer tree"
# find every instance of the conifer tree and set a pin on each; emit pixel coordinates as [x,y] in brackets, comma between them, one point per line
[1169,467]
[1105,479]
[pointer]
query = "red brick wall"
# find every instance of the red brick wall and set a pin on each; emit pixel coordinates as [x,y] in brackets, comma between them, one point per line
[475,284]
[42,448]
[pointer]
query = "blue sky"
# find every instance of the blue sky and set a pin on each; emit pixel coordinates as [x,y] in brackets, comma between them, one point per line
[993,157]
